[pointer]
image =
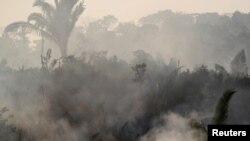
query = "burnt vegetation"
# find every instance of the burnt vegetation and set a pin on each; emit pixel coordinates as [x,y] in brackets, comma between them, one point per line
[98,96]
[111,101]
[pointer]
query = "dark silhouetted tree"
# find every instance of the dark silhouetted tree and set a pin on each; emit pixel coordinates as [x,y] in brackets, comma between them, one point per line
[221,111]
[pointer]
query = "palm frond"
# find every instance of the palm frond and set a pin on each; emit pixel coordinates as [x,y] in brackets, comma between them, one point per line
[48,35]
[28,27]
[77,11]
[67,5]
[39,19]
[221,111]
[13,27]
[70,3]
[46,7]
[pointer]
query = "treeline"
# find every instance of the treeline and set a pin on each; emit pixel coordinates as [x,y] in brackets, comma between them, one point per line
[206,38]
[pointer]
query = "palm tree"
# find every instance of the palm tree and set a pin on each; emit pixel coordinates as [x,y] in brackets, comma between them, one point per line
[55,22]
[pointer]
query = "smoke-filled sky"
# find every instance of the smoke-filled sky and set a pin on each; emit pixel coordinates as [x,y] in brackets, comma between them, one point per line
[126,10]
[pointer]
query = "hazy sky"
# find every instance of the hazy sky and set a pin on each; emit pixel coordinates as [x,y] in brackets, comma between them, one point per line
[126,10]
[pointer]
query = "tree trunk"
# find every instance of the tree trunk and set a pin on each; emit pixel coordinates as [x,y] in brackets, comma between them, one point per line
[63,48]
[42,46]
[42,49]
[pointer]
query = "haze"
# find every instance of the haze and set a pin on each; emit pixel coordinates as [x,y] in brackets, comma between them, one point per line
[123,70]
[126,10]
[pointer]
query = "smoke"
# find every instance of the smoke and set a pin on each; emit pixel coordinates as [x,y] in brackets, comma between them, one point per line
[126,91]
[194,39]
[99,97]
[174,128]
[73,102]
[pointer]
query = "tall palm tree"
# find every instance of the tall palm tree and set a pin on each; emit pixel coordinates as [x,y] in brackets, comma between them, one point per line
[54,22]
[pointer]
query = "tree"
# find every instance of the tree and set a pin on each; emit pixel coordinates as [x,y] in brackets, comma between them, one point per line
[55,22]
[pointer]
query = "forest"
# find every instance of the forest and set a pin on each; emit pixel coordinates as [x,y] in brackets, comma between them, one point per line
[162,78]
